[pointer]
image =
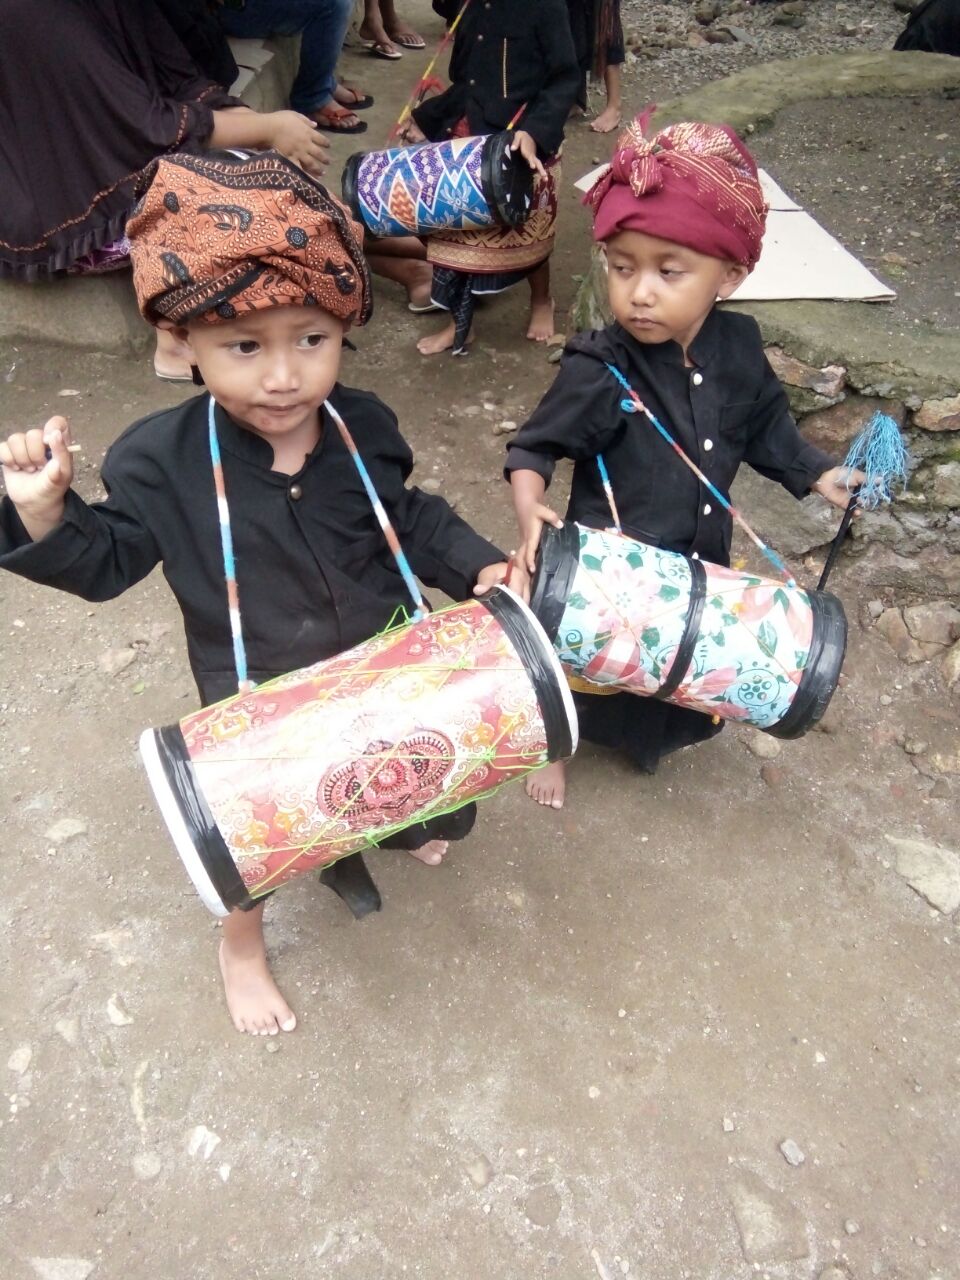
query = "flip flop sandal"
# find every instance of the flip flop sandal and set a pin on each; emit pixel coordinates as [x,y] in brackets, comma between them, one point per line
[384,51]
[331,120]
[173,377]
[361,101]
[409,40]
[423,308]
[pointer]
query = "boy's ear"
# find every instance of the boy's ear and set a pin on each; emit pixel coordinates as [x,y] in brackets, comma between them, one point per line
[732,280]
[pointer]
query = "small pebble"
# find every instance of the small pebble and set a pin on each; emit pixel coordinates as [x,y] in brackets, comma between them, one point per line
[763,746]
[885,700]
[273,1046]
[593,1091]
[728,1125]
[791,1152]
[851,1227]
[68,391]
[19,1060]
[117,1013]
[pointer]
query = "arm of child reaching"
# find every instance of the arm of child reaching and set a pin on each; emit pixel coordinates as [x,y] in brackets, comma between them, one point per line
[528,489]
[293,135]
[546,115]
[776,449]
[49,535]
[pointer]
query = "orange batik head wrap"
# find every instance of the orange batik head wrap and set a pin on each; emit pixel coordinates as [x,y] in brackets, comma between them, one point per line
[220,234]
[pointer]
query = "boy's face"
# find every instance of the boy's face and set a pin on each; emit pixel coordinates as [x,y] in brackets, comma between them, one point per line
[271,370]
[661,291]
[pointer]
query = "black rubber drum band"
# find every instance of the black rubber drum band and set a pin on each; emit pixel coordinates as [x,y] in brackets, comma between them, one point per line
[348,185]
[167,746]
[821,675]
[507,181]
[558,559]
[691,631]
[541,664]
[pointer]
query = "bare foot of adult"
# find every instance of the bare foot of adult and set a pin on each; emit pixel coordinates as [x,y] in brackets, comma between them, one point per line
[253,998]
[606,121]
[172,360]
[540,328]
[437,342]
[548,785]
[432,852]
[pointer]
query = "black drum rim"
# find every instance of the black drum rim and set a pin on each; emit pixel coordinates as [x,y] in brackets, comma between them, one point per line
[203,831]
[348,185]
[496,160]
[821,675]
[542,666]
[558,559]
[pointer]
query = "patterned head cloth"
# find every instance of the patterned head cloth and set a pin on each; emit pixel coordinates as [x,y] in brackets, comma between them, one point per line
[694,184]
[219,234]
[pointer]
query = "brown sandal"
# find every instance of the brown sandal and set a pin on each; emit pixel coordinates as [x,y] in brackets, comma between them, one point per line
[333,119]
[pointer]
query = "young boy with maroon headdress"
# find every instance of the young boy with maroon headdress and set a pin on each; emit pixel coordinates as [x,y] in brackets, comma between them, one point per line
[681,220]
[261,272]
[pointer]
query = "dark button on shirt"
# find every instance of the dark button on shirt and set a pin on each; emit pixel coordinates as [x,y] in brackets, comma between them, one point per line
[314,577]
[507,55]
[737,412]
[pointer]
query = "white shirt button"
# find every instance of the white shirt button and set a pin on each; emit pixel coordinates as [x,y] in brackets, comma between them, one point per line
[695,556]
[707,508]
[697,379]
[708,445]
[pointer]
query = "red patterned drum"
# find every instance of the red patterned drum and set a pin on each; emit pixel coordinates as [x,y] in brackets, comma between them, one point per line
[411,724]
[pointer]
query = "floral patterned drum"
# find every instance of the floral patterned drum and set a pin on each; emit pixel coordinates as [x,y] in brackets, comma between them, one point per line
[629,617]
[461,184]
[306,769]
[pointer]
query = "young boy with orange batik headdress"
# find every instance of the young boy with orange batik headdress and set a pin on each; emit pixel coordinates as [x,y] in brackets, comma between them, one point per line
[260,272]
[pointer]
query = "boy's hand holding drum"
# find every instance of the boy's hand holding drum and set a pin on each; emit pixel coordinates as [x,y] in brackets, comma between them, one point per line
[37,472]
[524,143]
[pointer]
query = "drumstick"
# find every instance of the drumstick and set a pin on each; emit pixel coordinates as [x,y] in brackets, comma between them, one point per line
[419,86]
[757,541]
[511,561]
[71,448]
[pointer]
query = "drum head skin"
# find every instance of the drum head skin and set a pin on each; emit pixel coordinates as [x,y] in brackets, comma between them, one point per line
[507,181]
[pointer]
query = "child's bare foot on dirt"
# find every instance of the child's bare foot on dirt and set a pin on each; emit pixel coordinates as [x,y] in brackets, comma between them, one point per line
[548,785]
[432,852]
[437,342]
[540,328]
[253,998]
[606,121]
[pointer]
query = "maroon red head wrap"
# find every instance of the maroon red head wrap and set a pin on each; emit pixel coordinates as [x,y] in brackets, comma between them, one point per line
[693,184]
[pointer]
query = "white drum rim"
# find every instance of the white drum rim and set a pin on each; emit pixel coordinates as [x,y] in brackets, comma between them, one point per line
[176,826]
[551,656]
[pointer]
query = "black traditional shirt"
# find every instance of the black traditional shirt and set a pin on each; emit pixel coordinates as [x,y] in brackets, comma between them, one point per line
[314,573]
[729,408]
[507,54]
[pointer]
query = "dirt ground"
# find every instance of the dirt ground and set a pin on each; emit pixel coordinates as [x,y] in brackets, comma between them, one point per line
[573,1051]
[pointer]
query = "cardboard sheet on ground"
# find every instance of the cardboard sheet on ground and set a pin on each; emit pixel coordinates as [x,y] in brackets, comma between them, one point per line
[800,259]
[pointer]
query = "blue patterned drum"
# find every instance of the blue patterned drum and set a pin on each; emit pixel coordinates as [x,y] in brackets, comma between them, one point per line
[462,184]
[623,615]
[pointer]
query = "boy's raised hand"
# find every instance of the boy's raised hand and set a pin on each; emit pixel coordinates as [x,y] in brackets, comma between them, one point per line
[836,486]
[36,483]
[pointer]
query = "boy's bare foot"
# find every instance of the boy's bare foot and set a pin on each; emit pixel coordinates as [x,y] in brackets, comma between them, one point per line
[606,121]
[437,342]
[540,328]
[253,998]
[548,785]
[432,852]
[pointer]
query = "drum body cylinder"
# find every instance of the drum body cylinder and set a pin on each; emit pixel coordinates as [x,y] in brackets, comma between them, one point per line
[627,616]
[461,184]
[413,723]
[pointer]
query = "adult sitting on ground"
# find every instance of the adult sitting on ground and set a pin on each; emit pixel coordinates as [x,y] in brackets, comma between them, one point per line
[321,25]
[83,109]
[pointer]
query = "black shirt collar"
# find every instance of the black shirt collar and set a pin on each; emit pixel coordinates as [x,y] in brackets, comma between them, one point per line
[257,451]
[702,349]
